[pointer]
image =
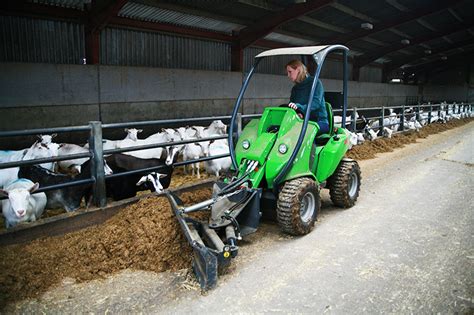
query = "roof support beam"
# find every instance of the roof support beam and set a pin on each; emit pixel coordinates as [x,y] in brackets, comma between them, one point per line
[352,12]
[252,33]
[168,28]
[368,58]
[346,38]
[99,17]
[395,65]
[461,58]
[92,47]
[22,8]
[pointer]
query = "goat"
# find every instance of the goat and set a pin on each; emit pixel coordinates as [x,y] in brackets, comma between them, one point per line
[193,151]
[126,186]
[22,205]
[74,164]
[36,151]
[152,181]
[174,149]
[155,153]
[218,147]
[68,198]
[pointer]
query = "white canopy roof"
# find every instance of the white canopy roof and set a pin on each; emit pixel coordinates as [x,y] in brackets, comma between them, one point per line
[307,50]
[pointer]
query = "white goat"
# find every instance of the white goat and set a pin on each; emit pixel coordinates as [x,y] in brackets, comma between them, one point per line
[22,205]
[74,164]
[194,151]
[218,147]
[132,134]
[155,153]
[8,175]
[36,151]
[387,132]
[217,127]
[47,139]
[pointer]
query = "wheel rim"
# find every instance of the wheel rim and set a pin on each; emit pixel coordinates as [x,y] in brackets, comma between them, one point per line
[353,184]
[307,207]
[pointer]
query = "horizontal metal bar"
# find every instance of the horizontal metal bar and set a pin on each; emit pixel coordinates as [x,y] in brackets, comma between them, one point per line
[142,170]
[199,206]
[78,182]
[252,116]
[155,168]
[162,144]
[215,157]
[163,122]
[43,131]
[62,185]
[44,160]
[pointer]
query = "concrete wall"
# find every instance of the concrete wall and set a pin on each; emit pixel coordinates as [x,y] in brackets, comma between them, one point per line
[48,95]
[449,93]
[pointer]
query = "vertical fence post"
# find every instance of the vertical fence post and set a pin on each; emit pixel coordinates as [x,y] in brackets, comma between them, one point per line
[381,119]
[402,118]
[418,112]
[353,120]
[97,163]
[239,124]
[429,114]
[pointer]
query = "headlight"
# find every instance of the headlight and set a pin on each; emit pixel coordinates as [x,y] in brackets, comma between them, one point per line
[282,148]
[245,144]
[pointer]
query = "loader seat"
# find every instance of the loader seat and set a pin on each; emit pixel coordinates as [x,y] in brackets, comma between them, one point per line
[324,138]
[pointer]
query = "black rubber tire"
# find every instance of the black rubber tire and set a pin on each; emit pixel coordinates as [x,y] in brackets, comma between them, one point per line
[344,184]
[295,194]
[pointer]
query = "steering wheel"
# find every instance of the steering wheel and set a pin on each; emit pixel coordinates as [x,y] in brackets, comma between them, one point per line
[298,111]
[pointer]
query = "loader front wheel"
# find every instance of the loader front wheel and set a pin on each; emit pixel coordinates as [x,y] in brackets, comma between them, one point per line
[344,184]
[298,206]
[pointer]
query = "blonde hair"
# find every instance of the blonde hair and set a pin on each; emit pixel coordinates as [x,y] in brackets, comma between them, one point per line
[296,64]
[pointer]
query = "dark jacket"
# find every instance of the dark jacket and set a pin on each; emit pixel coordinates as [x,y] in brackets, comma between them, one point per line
[300,96]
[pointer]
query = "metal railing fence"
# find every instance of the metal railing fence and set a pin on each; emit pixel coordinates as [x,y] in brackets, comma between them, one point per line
[96,152]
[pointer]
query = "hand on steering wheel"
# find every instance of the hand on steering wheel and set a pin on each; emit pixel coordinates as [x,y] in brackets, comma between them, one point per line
[298,111]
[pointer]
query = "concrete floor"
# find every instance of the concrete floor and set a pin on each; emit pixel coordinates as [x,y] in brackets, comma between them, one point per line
[406,247]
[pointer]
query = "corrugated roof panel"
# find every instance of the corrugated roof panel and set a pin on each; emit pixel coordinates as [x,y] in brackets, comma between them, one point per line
[378,10]
[33,40]
[291,40]
[134,48]
[142,12]
[71,4]
[309,30]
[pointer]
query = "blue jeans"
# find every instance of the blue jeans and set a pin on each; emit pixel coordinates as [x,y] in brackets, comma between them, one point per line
[323,128]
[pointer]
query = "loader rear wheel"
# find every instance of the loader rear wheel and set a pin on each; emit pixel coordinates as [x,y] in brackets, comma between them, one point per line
[344,184]
[298,206]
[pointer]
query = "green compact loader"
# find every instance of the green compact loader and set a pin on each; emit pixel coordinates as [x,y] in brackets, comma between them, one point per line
[280,164]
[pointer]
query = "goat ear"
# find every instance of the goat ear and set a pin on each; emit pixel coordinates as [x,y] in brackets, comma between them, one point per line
[141,181]
[161,175]
[3,193]
[126,129]
[34,188]
[54,135]
[139,130]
